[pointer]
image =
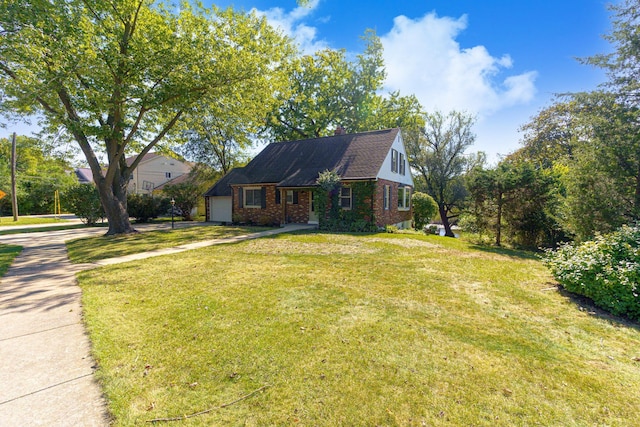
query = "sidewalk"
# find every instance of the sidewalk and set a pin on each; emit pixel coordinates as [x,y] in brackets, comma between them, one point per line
[46,370]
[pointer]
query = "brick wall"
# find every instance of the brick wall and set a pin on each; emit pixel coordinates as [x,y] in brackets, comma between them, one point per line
[392,215]
[273,213]
[299,213]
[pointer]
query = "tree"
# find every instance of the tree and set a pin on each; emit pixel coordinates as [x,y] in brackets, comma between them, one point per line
[40,172]
[438,156]
[518,197]
[327,90]
[552,135]
[120,75]
[603,179]
[603,183]
[186,194]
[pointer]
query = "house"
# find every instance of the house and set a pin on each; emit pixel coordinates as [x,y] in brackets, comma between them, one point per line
[186,178]
[84,175]
[278,185]
[153,171]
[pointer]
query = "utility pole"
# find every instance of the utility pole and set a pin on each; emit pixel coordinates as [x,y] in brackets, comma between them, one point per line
[14,195]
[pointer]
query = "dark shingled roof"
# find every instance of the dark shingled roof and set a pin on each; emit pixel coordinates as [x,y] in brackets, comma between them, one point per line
[298,163]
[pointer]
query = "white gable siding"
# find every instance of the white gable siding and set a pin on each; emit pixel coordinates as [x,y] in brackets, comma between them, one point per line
[386,171]
[154,172]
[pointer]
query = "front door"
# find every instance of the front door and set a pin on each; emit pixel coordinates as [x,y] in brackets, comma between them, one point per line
[313,215]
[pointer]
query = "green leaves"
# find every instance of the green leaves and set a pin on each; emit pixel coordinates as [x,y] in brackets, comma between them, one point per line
[607,270]
[327,90]
[120,75]
[438,155]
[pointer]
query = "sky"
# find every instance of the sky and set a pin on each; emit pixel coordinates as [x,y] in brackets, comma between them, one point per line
[500,60]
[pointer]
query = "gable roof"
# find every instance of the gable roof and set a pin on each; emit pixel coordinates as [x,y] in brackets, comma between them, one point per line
[298,163]
[181,179]
[145,158]
[84,175]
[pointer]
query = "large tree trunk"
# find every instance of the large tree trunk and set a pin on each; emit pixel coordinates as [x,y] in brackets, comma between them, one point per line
[444,217]
[114,202]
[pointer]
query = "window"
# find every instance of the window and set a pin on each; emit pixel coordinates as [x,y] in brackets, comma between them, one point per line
[404,198]
[292,197]
[386,197]
[167,174]
[253,197]
[394,160]
[402,164]
[345,198]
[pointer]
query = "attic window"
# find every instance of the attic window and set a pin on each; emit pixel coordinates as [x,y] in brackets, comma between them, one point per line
[394,160]
[167,174]
[402,167]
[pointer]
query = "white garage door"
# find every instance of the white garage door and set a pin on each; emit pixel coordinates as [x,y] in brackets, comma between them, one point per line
[220,209]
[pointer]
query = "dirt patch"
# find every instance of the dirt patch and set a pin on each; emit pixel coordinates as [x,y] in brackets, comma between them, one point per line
[405,243]
[288,247]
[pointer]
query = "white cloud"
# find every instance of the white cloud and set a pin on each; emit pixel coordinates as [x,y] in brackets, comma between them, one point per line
[290,24]
[422,57]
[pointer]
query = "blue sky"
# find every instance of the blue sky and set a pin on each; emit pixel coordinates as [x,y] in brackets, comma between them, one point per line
[502,60]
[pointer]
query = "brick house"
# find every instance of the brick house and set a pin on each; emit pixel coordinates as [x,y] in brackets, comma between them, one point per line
[278,185]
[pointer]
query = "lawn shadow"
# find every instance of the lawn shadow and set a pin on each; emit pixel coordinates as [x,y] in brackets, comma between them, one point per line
[512,253]
[587,305]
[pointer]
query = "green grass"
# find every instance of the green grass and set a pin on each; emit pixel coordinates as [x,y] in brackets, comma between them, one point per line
[375,330]
[25,220]
[7,255]
[41,229]
[96,248]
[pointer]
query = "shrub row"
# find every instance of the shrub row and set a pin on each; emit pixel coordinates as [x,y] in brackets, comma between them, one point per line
[606,270]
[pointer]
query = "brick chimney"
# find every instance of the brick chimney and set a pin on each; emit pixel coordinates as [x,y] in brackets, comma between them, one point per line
[339,130]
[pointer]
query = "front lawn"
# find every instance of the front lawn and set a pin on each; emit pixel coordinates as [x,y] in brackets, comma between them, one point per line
[91,249]
[27,220]
[342,330]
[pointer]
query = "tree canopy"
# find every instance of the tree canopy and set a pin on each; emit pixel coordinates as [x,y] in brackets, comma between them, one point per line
[120,75]
[438,155]
[40,171]
[327,90]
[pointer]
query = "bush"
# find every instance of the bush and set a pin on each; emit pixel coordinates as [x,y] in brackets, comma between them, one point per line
[142,207]
[606,270]
[83,201]
[424,209]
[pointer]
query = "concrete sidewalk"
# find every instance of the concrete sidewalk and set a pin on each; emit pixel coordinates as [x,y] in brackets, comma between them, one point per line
[46,370]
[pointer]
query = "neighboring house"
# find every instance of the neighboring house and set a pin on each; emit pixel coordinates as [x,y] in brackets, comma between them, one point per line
[153,171]
[182,179]
[277,186]
[84,175]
